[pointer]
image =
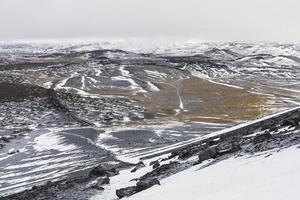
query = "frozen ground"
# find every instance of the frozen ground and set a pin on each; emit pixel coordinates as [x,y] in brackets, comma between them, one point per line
[265,175]
[66,108]
[261,164]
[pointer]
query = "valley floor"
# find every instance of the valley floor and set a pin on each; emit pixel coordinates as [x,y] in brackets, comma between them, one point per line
[89,121]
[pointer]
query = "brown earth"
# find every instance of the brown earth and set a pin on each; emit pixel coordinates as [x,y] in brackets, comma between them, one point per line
[202,101]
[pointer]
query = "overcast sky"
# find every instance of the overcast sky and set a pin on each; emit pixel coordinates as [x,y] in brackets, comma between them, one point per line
[205,20]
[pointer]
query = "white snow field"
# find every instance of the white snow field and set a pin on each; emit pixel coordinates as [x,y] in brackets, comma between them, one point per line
[273,175]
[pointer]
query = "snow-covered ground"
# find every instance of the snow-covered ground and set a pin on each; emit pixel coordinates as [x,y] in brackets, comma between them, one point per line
[267,175]
[148,102]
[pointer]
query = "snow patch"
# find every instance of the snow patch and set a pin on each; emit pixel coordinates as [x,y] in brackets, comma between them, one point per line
[50,141]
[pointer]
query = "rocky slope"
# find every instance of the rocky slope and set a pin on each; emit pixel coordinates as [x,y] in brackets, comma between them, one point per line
[67,109]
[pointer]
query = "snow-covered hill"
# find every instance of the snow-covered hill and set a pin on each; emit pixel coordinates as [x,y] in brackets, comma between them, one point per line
[265,175]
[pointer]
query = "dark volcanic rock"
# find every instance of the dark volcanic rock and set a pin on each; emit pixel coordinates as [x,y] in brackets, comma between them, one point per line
[188,152]
[233,147]
[273,129]
[19,92]
[162,171]
[265,126]
[155,162]
[138,166]
[98,187]
[287,122]
[103,171]
[104,181]
[219,150]
[147,183]
[261,137]
[140,186]
[207,154]
[4,139]
[185,154]
[52,190]
[156,165]
[126,192]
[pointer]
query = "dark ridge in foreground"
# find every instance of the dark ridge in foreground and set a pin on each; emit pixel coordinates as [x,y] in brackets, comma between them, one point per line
[276,132]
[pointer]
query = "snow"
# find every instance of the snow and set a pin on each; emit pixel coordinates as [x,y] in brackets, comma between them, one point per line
[117,182]
[46,155]
[133,85]
[50,141]
[156,74]
[47,85]
[124,179]
[12,151]
[99,72]
[124,72]
[225,84]
[273,177]
[83,87]
[152,87]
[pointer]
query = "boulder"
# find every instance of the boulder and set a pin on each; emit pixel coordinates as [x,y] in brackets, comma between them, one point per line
[265,126]
[66,185]
[189,152]
[297,119]
[34,187]
[49,183]
[261,137]
[19,130]
[102,170]
[140,186]
[126,192]
[138,166]
[273,129]
[287,122]
[103,181]
[98,187]
[154,164]
[12,151]
[214,141]
[4,139]
[233,147]
[112,173]
[146,183]
[207,154]
[162,171]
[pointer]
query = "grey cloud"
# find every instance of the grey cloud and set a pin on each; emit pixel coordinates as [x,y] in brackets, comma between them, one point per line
[217,20]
